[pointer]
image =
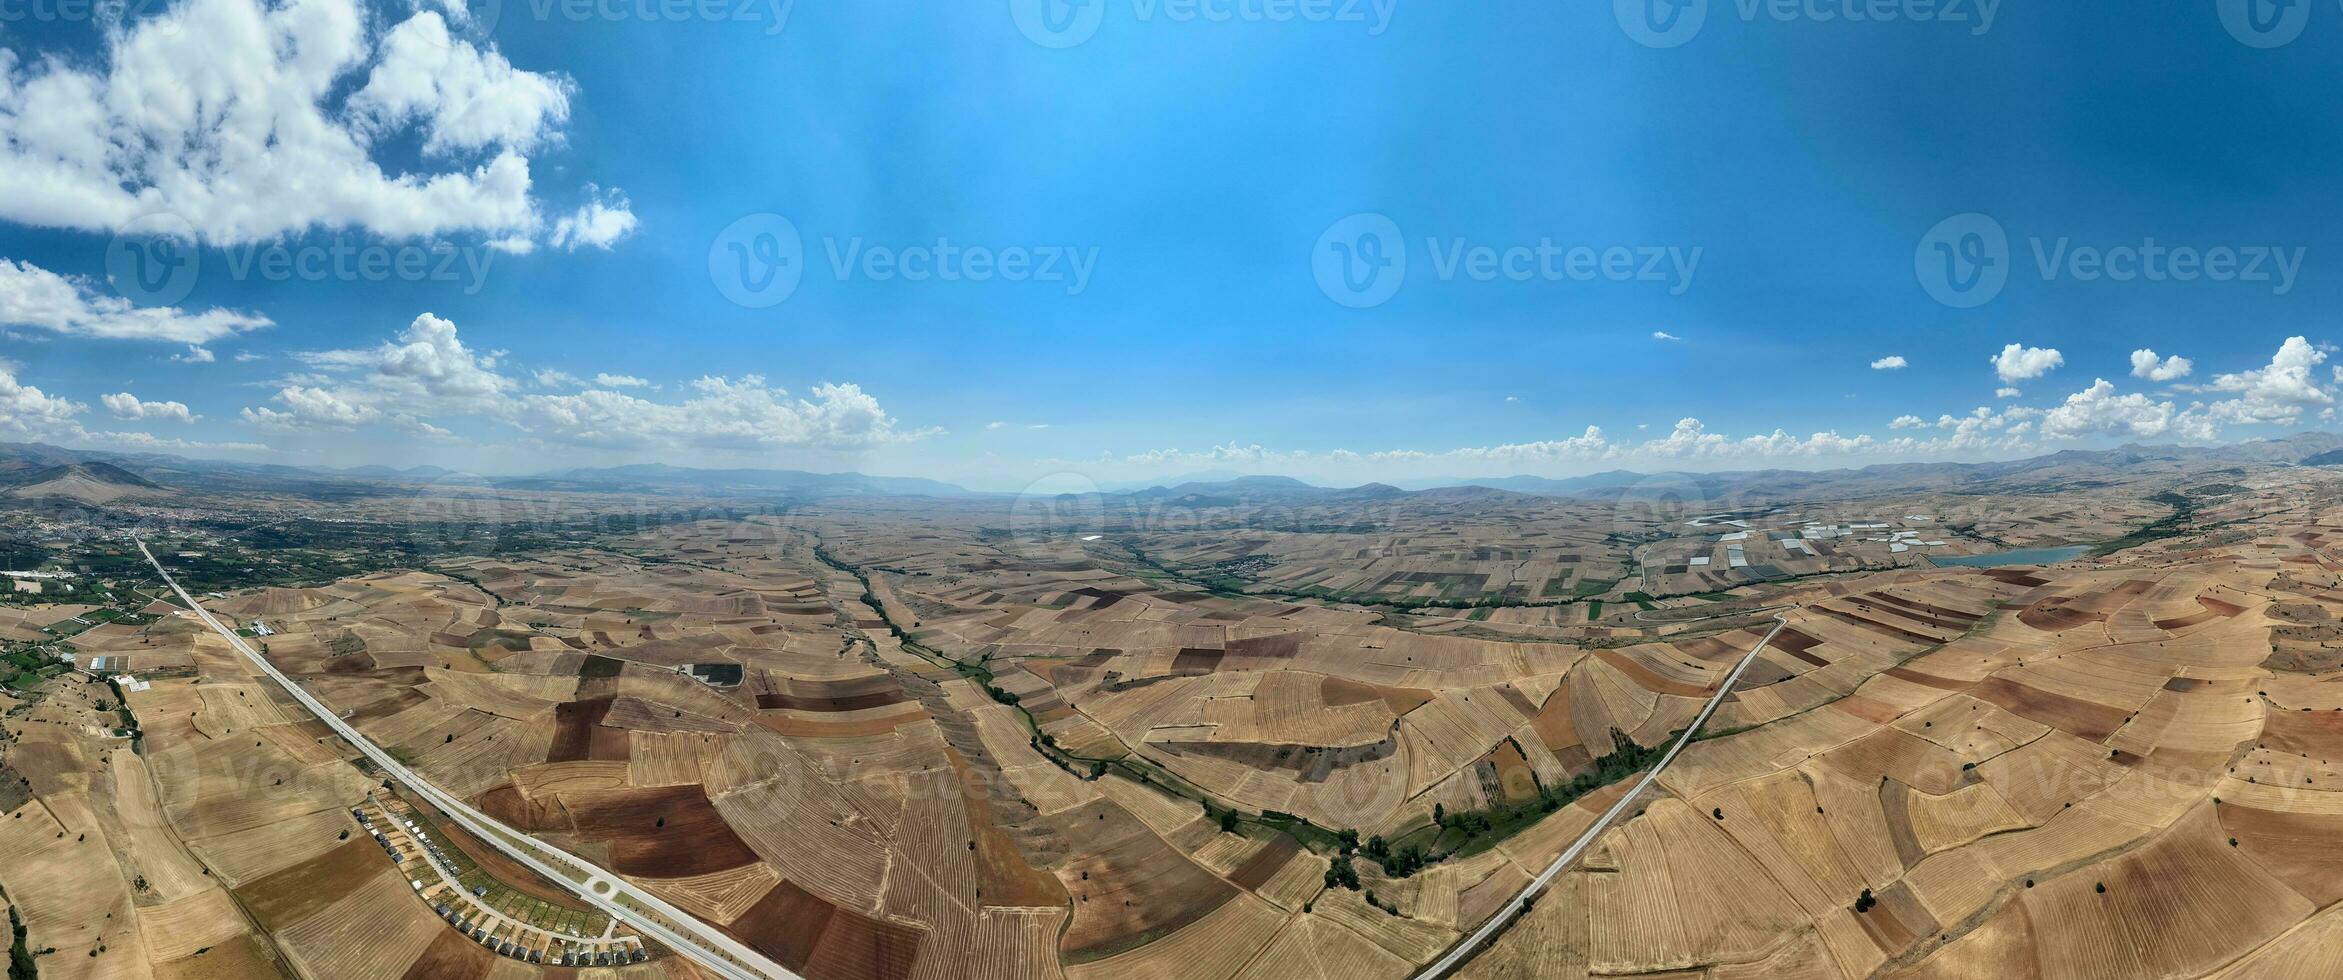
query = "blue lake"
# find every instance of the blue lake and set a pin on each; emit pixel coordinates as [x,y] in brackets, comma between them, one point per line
[2024,556]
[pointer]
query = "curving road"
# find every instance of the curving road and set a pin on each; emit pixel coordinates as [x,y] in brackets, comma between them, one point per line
[705,945]
[1472,944]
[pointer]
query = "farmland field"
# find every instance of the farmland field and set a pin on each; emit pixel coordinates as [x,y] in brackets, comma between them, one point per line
[887,738]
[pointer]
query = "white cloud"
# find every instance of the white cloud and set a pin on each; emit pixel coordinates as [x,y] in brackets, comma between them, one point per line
[428,374]
[1664,335]
[724,413]
[1908,422]
[600,222]
[2099,410]
[2008,393]
[2018,363]
[33,297]
[246,357]
[238,121]
[2145,364]
[463,98]
[30,412]
[428,361]
[27,412]
[308,408]
[2278,393]
[1511,399]
[196,354]
[1691,439]
[1892,362]
[992,426]
[128,407]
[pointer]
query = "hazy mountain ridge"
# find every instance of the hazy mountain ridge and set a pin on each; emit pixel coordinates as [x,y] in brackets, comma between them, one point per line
[23,466]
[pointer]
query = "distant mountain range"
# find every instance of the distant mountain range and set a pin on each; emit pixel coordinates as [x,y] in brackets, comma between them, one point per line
[34,470]
[659,476]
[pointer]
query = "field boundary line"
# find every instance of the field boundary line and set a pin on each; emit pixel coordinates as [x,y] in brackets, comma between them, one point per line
[604,889]
[1465,949]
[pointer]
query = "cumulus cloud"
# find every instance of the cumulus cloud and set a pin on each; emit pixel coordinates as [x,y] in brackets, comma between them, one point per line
[2145,364]
[1664,335]
[1892,362]
[599,223]
[463,98]
[28,413]
[427,360]
[1908,422]
[238,121]
[2100,410]
[197,354]
[2279,393]
[723,413]
[36,298]
[128,407]
[428,374]
[2018,363]
[2008,393]
[307,408]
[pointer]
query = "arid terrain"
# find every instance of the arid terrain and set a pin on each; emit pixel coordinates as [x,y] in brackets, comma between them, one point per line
[1242,731]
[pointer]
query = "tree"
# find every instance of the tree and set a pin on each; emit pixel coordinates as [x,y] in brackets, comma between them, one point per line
[1228,821]
[1378,848]
[1864,902]
[1439,815]
[1340,873]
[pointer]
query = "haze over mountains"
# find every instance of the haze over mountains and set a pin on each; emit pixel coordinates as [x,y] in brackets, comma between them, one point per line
[35,470]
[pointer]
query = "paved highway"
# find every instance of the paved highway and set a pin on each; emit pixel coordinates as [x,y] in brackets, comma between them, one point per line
[705,945]
[1464,951]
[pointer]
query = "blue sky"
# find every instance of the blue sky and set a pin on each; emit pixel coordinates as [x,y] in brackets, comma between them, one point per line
[1770,192]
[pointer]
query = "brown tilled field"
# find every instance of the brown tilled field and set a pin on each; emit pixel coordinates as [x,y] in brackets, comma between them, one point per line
[887,738]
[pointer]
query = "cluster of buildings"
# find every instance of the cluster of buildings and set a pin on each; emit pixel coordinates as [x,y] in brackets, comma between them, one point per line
[415,852]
